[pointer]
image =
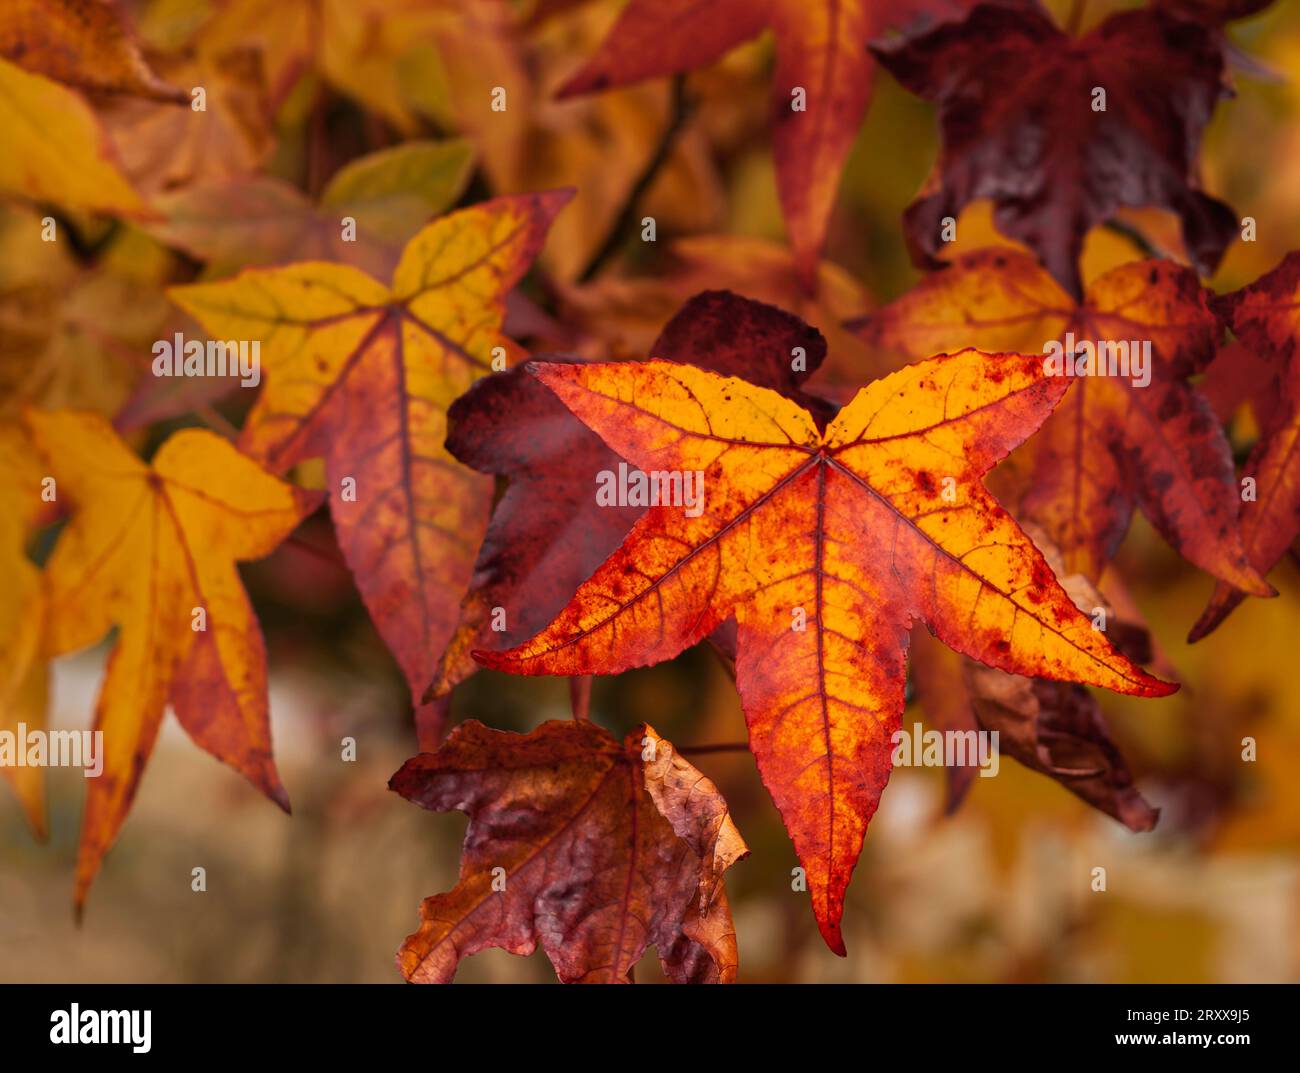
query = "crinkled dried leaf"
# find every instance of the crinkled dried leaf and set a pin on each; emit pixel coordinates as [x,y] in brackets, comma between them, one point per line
[852,533]
[1057,729]
[592,848]
[146,546]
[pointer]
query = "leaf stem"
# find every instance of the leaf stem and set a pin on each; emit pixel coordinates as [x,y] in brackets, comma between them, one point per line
[580,697]
[678,111]
[1135,236]
[209,415]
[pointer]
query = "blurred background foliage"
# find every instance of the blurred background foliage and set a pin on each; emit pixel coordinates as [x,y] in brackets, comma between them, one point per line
[998,891]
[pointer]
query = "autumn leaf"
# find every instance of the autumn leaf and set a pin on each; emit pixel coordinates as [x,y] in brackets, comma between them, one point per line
[23,675]
[1265,316]
[83,43]
[593,848]
[361,374]
[548,533]
[152,550]
[56,149]
[820,89]
[1113,444]
[261,220]
[165,148]
[825,545]
[363,48]
[1054,728]
[618,317]
[1052,155]
[75,335]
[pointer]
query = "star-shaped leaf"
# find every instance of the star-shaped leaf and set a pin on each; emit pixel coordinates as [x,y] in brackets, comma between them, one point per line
[1116,442]
[825,544]
[152,550]
[362,374]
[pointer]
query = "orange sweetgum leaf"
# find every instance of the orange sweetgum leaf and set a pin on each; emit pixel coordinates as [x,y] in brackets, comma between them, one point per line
[362,374]
[1112,445]
[83,43]
[825,544]
[1265,316]
[593,848]
[547,533]
[147,548]
[1052,164]
[820,49]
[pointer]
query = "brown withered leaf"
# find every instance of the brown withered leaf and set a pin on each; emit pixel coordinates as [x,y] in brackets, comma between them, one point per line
[593,848]
[1053,163]
[1057,728]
